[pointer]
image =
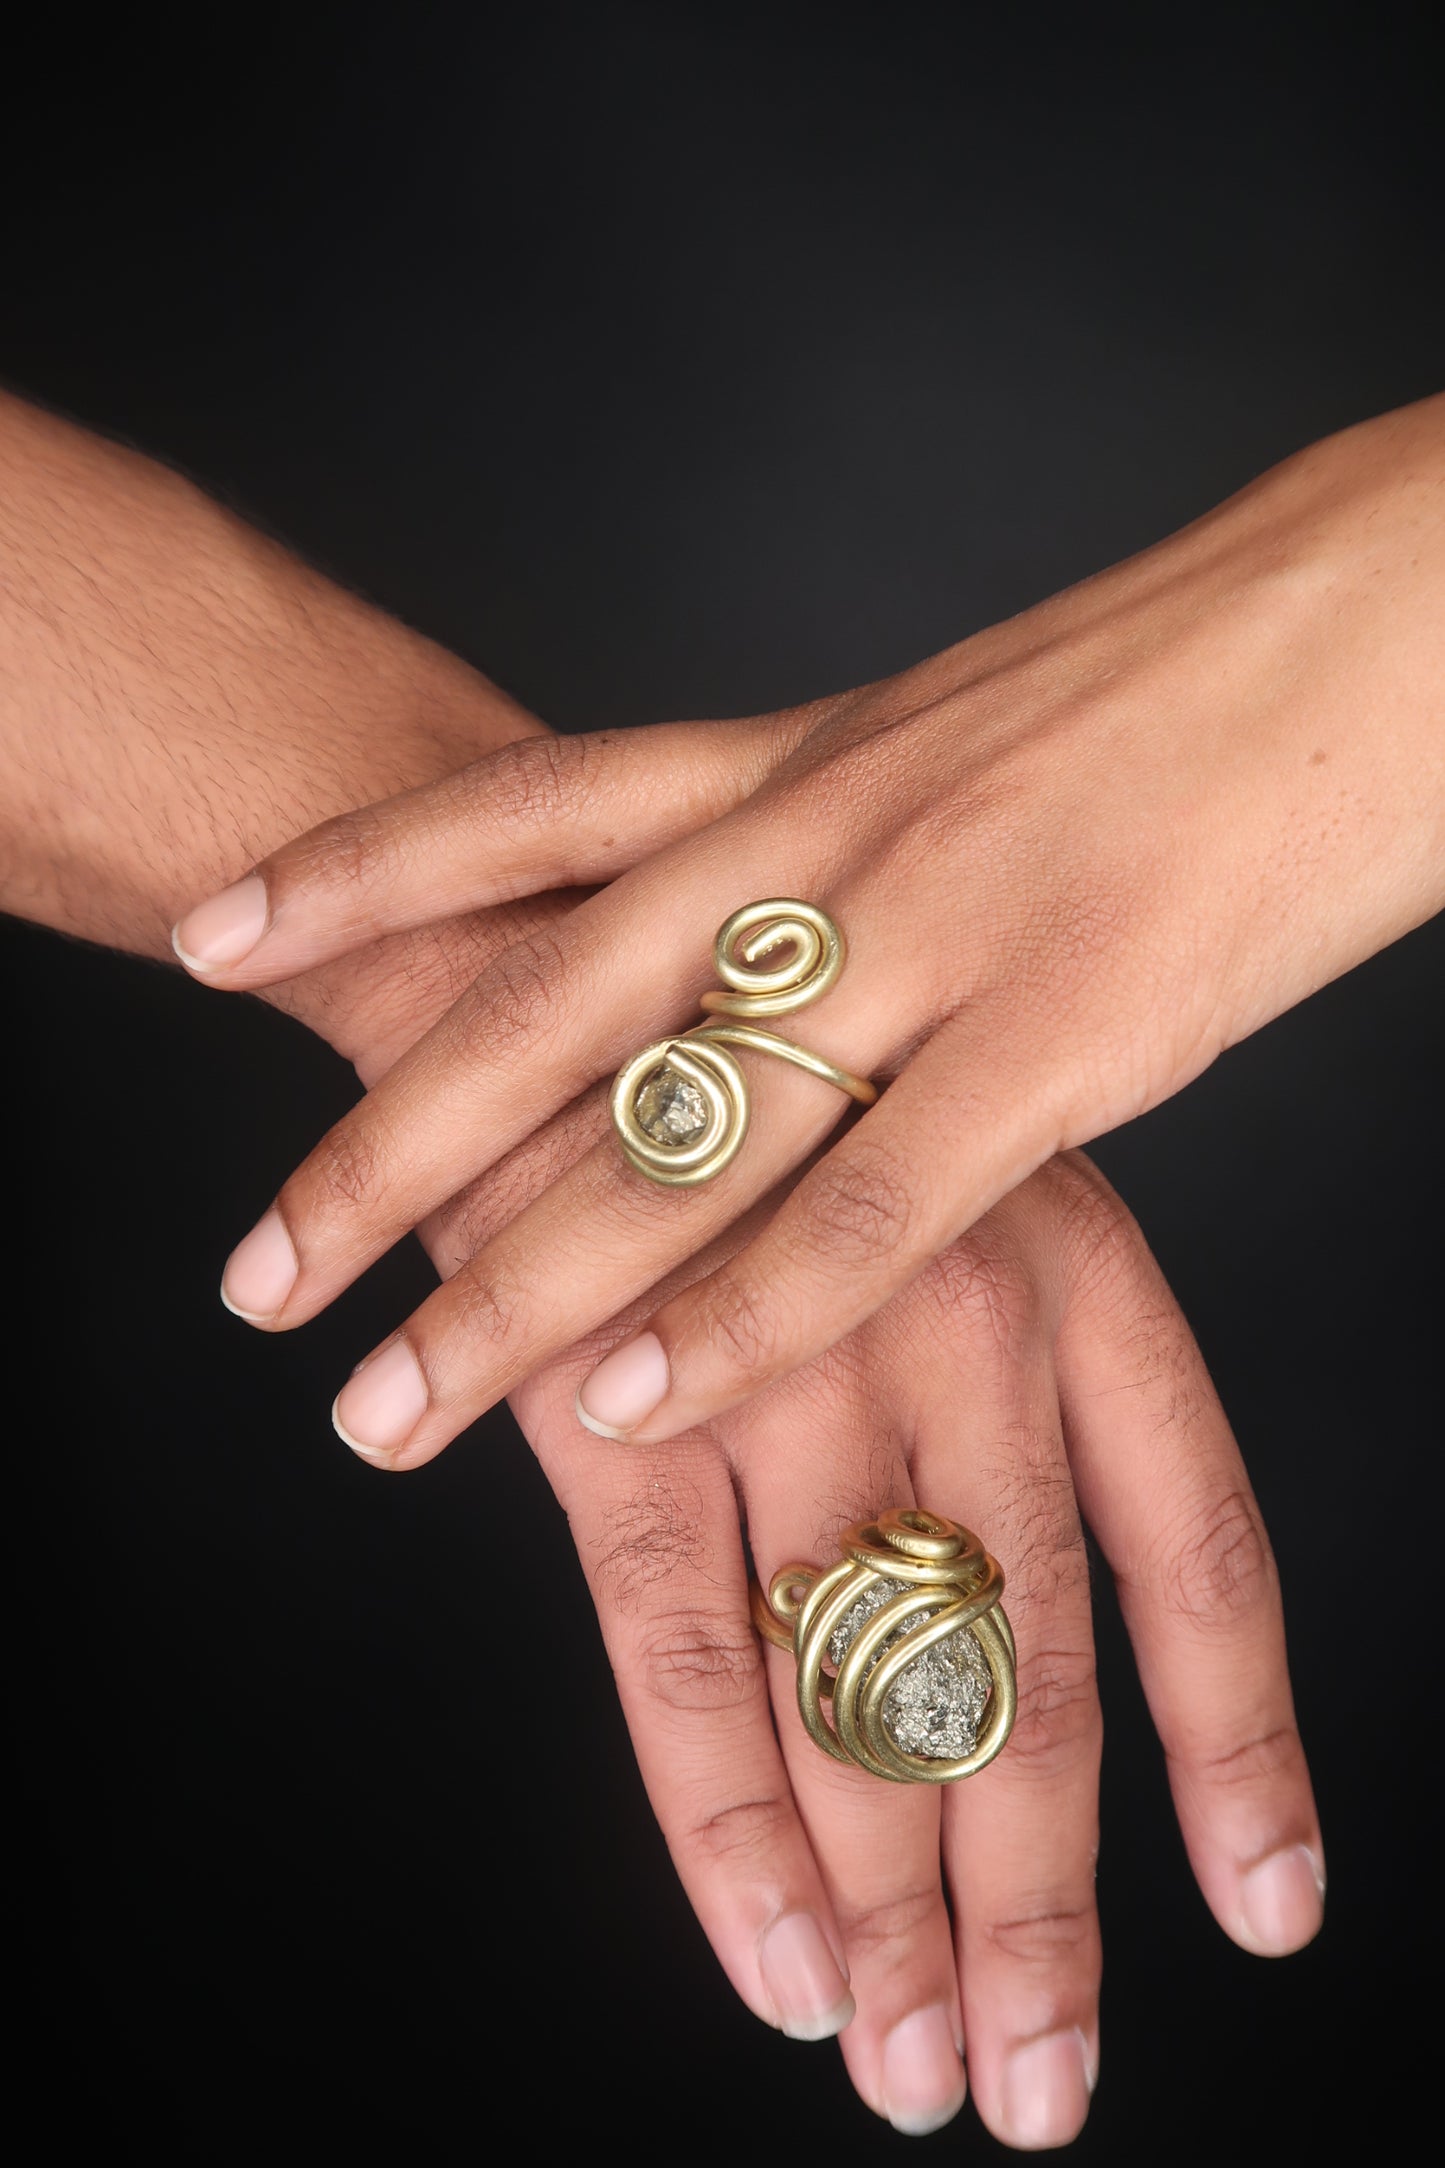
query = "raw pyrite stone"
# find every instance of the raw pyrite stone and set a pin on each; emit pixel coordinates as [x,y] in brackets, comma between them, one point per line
[936,1704]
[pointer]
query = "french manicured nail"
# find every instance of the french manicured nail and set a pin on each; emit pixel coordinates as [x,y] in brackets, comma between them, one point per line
[1046,2088]
[802,1977]
[224,929]
[624,1388]
[923,2081]
[261,1271]
[1282,1902]
[378,1409]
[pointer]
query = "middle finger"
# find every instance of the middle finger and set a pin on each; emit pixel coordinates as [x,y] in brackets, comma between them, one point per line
[877,1844]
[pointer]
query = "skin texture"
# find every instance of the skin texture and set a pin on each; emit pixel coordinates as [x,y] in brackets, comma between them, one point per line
[176,695]
[1074,858]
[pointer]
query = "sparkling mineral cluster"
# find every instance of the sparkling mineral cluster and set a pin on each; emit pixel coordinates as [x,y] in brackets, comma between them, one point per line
[935,1706]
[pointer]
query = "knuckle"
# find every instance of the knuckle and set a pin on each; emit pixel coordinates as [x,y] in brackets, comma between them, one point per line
[358,847]
[647,1538]
[1048,1935]
[1100,1236]
[742,1322]
[1058,1707]
[345,1168]
[426,969]
[1047,1562]
[893,1921]
[697,1663]
[494,1199]
[990,1293]
[624,1209]
[1157,1359]
[1109,1264]
[1257,1761]
[464,1225]
[521,992]
[744,1830]
[433,966]
[847,1497]
[1220,1568]
[858,1204]
[531,781]
[486,1304]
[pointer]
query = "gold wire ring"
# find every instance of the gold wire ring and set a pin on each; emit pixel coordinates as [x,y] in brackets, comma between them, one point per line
[905,1640]
[681,1107]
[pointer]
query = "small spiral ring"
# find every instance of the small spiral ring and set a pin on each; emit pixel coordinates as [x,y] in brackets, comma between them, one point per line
[681,1107]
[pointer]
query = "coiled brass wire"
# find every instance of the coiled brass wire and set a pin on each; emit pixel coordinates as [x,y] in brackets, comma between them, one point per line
[950,1584]
[815,956]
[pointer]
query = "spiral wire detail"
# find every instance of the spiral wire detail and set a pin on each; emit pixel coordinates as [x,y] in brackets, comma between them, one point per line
[907,1584]
[681,1107]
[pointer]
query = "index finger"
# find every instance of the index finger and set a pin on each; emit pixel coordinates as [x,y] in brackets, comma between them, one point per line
[542,812]
[661,1546]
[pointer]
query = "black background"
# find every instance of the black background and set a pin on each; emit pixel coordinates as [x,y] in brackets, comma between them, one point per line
[668,362]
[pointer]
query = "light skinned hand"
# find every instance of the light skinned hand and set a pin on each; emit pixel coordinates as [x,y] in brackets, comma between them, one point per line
[1074,859]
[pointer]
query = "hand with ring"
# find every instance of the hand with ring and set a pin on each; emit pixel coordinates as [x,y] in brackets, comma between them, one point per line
[1072,860]
[1034,1379]
[1043,1342]
[1118,794]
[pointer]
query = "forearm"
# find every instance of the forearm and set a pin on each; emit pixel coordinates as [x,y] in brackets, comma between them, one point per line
[178,693]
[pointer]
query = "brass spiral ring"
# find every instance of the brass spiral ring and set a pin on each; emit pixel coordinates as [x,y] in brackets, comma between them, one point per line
[906,1642]
[681,1107]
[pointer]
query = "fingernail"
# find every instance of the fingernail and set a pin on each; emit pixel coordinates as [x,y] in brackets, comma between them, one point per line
[923,2081]
[261,1271]
[379,1408]
[224,929]
[802,1977]
[624,1389]
[1046,2088]
[1282,1902]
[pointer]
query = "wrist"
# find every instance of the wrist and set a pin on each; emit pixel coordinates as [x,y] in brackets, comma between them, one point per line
[178,693]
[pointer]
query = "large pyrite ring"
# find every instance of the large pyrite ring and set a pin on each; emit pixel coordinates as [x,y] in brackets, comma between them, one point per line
[680,1107]
[906,1642]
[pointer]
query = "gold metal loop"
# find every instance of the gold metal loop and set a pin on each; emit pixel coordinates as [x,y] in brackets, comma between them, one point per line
[712,1095]
[681,1106]
[805,974]
[905,1657]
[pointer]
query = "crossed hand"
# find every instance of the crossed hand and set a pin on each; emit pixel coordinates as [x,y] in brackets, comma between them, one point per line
[1075,857]
[946,1305]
